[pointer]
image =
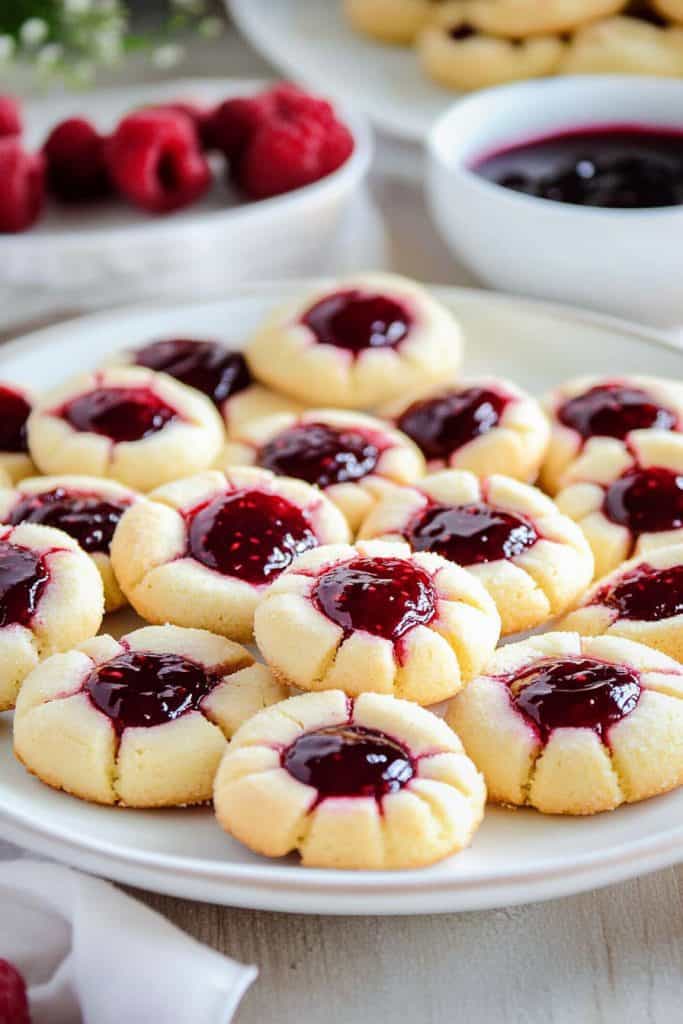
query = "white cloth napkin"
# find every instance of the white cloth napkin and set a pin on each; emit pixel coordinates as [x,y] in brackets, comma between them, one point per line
[92,955]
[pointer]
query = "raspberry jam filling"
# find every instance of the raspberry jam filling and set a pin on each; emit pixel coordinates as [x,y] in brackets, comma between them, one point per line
[646,500]
[320,454]
[348,760]
[249,534]
[614,410]
[119,413]
[441,425]
[141,688]
[646,594]
[205,365]
[470,534]
[86,517]
[580,693]
[23,578]
[354,320]
[386,597]
[14,411]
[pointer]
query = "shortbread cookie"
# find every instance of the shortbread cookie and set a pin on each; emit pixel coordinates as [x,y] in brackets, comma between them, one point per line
[534,561]
[642,600]
[87,508]
[375,617]
[625,45]
[458,56]
[141,721]
[50,599]
[136,426]
[357,342]
[202,551]
[518,19]
[627,499]
[352,457]
[574,725]
[485,425]
[590,407]
[373,783]
[390,21]
[15,408]
[218,372]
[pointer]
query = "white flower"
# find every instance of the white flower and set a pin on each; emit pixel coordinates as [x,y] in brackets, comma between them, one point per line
[7,48]
[167,56]
[34,31]
[211,27]
[76,6]
[107,45]
[49,55]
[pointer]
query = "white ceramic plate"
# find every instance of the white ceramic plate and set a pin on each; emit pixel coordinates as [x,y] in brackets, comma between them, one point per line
[517,856]
[311,41]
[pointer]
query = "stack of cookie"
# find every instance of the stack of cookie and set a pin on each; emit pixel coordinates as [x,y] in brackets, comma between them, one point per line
[471,44]
[376,523]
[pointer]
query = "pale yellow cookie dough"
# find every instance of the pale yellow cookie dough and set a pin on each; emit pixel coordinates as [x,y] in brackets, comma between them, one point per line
[620,45]
[390,21]
[517,19]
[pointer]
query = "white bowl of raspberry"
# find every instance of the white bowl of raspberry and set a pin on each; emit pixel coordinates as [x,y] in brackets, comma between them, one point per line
[173,189]
[568,189]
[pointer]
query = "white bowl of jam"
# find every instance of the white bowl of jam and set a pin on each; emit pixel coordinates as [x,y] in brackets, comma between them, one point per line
[568,189]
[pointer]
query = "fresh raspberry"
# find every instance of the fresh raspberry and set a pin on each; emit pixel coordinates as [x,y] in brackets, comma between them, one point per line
[337,147]
[155,161]
[13,998]
[10,116]
[233,123]
[198,116]
[292,103]
[76,167]
[23,185]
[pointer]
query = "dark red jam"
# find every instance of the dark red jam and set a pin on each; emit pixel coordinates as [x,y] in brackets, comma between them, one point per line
[23,578]
[119,413]
[348,760]
[249,534]
[386,597]
[320,454]
[88,518]
[616,166]
[462,32]
[646,500]
[14,411]
[140,688]
[205,365]
[577,693]
[614,410]
[355,320]
[444,423]
[645,594]
[470,534]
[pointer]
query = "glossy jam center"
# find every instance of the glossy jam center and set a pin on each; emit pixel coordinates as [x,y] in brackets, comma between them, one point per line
[23,578]
[205,365]
[14,411]
[320,454]
[140,688]
[349,761]
[646,594]
[646,500]
[441,425]
[576,692]
[470,534]
[383,596]
[613,410]
[354,320]
[121,414]
[249,534]
[86,517]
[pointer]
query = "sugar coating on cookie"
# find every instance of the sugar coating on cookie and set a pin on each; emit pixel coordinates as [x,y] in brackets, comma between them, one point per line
[574,725]
[517,19]
[202,551]
[485,425]
[350,456]
[534,562]
[605,407]
[128,423]
[376,618]
[623,45]
[87,508]
[219,372]
[141,721]
[15,408]
[642,600]
[50,599]
[390,21]
[356,342]
[369,783]
[627,497]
